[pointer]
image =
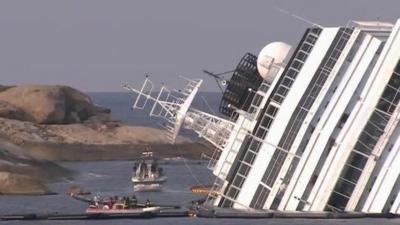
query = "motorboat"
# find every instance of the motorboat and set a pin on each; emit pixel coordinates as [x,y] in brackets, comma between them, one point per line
[147,175]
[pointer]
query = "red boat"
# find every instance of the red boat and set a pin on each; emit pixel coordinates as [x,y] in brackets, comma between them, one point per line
[117,205]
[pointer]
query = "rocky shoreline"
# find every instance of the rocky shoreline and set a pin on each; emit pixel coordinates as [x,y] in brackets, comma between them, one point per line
[100,141]
[43,124]
[22,174]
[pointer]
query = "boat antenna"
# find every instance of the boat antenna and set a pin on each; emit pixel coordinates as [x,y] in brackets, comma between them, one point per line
[219,78]
[287,12]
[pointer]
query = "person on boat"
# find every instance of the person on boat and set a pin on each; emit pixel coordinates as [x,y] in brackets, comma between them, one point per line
[134,201]
[125,202]
[142,169]
[160,172]
[96,200]
[145,169]
[110,203]
[128,202]
[153,167]
[115,199]
[147,204]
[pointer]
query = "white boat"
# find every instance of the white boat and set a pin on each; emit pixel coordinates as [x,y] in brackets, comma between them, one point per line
[146,175]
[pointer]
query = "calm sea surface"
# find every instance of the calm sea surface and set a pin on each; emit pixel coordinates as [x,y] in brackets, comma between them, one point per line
[112,178]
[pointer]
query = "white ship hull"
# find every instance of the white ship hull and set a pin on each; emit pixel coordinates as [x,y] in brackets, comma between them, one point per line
[150,184]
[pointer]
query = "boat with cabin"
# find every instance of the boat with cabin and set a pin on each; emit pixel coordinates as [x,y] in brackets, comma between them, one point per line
[147,175]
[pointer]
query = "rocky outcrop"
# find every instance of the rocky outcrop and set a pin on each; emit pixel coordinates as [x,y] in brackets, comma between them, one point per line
[21,132]
[14,183]
[20,173]
[49,105]
[3,87]
[80,108]
[10,111]
[94,141]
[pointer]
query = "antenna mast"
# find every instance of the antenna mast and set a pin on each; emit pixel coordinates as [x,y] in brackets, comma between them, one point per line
[297,17]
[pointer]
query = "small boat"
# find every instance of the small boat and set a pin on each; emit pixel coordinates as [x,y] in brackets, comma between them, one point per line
[117,205]
[118,209]
[147,175]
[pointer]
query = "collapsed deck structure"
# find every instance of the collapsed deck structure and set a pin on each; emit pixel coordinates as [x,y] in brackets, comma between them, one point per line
[312,129]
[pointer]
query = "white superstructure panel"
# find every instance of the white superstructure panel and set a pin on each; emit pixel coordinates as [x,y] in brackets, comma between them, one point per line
[385,180]
[329,120]
[283,116]
[356,122]
[279,184]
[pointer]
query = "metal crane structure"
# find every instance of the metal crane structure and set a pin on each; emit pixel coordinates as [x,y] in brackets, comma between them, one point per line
[173,106]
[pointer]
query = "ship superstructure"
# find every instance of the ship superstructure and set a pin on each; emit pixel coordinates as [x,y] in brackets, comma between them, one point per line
[318,132]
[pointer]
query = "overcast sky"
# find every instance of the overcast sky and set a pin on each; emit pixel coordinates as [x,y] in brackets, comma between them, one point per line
[94,45]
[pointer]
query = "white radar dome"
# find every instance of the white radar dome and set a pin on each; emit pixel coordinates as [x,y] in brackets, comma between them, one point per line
[273,52]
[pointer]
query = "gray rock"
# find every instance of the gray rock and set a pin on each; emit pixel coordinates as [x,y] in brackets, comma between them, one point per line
[10,111]
[13,183]
[72,117]
[3,88]
[41,104]
[49,105]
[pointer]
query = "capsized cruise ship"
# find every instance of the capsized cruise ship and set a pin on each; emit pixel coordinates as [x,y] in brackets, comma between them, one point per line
[313,127]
